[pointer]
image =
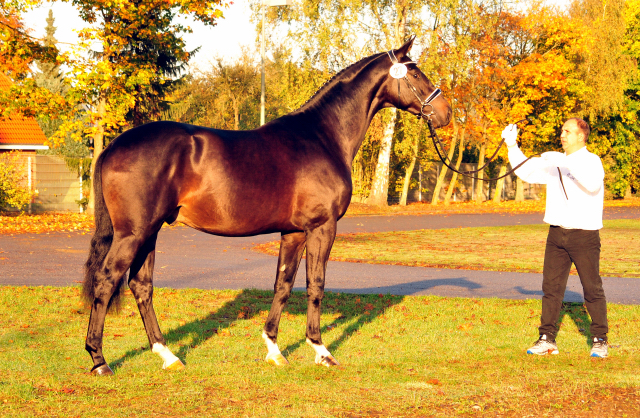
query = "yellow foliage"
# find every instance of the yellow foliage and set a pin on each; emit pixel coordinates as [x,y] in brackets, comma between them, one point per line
[14,191]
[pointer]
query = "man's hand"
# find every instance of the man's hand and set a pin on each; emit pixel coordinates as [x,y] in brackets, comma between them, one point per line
[510,134]
[554,158]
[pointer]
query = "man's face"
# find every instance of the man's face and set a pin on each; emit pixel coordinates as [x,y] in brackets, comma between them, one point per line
[572,137]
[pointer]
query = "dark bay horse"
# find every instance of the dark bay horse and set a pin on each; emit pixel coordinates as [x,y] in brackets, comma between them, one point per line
[292,175]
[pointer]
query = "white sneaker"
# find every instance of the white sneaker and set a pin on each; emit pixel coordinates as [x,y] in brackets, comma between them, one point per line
[600,348]
[543,346]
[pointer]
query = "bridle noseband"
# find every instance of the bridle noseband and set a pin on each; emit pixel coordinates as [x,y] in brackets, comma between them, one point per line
[423,103]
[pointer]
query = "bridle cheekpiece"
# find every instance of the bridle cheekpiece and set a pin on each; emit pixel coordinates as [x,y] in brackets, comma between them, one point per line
[399,70]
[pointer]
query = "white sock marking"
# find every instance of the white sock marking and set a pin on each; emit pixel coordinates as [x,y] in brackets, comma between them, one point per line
[321,351]
[166,354]
[272,347]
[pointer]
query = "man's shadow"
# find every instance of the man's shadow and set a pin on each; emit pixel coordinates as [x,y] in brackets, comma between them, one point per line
[577,312]
[354,310]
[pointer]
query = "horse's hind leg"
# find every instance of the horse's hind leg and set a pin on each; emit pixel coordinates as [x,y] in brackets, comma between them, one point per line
[319,243]
[108,281]
[291,249]
[141,285]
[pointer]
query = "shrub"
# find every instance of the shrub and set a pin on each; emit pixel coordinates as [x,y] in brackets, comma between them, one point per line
[14,191]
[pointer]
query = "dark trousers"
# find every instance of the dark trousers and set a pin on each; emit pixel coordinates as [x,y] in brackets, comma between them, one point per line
[582,248]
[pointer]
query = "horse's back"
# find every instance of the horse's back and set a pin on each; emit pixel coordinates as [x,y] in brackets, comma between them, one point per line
[222,182]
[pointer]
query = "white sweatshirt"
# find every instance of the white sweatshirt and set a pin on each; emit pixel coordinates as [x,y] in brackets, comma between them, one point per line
[583,178]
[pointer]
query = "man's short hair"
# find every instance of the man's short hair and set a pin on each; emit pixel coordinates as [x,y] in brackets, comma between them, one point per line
[583,126]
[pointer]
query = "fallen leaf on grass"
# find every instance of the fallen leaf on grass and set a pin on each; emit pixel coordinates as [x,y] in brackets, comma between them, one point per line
[465,327]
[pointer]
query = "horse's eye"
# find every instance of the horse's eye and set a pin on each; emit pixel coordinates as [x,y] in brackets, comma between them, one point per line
[415,75]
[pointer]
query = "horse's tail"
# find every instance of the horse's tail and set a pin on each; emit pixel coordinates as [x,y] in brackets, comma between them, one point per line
[101,241]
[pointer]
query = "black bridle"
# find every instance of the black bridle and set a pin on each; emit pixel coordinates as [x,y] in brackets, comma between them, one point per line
[437,142]
[423,103]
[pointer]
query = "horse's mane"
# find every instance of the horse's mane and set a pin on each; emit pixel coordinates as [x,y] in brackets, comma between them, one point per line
[327,85]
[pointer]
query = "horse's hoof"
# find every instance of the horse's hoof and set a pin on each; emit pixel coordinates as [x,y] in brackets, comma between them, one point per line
[328,361]
[103,370]
[277,360]
[176,365]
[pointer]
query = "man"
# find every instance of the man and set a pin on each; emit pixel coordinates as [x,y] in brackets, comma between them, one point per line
[575,195]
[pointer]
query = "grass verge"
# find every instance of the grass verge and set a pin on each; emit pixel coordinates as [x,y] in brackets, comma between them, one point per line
[401,357]
[508,206]
[506,248]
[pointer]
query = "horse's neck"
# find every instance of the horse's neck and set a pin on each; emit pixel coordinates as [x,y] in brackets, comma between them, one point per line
[344,111]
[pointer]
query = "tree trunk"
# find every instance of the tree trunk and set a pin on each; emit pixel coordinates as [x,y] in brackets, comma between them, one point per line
[236,113]
[409,173]
[98,146]
[380,183]
[519,190]
[454,177]
[480,175]
[436,190]
[497,197]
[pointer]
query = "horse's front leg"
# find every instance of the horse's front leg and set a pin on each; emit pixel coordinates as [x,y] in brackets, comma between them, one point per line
[291,249]
[319,243]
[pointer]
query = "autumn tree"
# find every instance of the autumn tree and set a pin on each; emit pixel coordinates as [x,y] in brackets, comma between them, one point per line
[606,64]
[457,24]
[140,52]
[522,67]
[226,95]
[19,50]
[631,47]
[234,84]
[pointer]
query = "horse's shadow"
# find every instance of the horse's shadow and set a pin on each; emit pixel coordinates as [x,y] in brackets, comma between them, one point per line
[354,310]
[578,314]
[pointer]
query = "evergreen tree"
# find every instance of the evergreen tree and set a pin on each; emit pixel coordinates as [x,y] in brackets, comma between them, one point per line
[50,76]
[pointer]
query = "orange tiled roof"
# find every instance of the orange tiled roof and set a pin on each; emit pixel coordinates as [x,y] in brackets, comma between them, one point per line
[5,83]
[19,131]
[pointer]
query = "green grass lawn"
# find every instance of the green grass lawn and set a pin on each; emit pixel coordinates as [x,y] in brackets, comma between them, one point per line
[505,248]
[401,356]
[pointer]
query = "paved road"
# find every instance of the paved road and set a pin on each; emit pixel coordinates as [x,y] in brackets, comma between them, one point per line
[190,259]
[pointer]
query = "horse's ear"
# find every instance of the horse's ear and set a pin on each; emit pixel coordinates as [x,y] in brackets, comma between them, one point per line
[404,49]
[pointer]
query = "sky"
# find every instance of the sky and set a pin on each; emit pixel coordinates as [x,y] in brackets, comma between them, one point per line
[223,40]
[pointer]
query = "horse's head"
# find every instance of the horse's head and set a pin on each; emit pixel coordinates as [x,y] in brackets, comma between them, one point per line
[407,88]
